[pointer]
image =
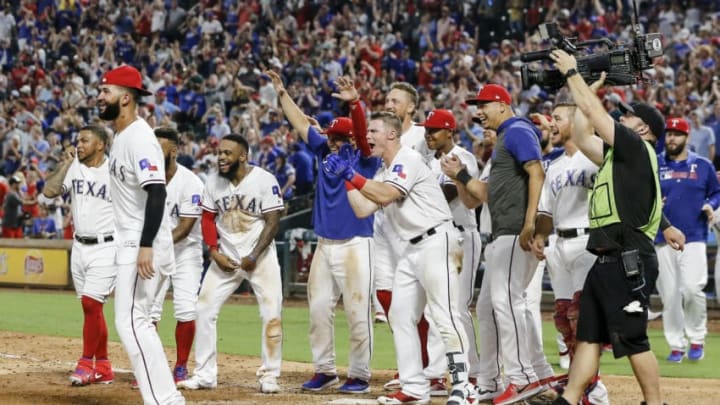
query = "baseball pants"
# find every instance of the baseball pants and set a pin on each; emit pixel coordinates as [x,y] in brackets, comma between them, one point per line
[501,310]
[681,280]
[133,301]
[186,283]
[428,274]
[215,290]
[342,267]
[93,270]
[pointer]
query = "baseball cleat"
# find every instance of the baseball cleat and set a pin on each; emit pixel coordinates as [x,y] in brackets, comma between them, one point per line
[462,394]
[83,374]
[565,360]
[676,356]
[438,388]
[269,385]
[103,372]
[696,352]
[355,386]
[320,381]
[483,395]
[180,373]
[394,384]
[399,398]
[514,393]
[193,383]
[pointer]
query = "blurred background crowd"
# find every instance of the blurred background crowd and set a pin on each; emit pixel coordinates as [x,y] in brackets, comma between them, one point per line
[204,61]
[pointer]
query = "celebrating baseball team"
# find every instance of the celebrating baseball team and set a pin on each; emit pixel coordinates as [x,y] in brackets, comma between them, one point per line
[576,192]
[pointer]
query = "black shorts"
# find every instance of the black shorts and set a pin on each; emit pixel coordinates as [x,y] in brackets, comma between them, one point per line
[602,318]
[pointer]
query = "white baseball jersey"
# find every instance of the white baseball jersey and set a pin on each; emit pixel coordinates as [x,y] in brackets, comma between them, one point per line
[136,160]
[414,138]
[89,189]
[241,208]
[462,215]
[420,210]
[565,191]
[184,193]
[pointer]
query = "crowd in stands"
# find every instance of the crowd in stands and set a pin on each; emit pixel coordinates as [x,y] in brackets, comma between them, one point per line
[204,63]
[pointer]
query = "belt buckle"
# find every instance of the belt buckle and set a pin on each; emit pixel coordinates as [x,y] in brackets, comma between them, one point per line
[580,232]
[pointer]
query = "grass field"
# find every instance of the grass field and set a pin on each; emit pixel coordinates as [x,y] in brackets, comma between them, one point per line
[60,314]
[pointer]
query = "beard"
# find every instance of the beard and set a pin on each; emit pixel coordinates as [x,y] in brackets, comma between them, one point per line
[112,110]
[230,174]
[167,162]
[674,150]
[544,143]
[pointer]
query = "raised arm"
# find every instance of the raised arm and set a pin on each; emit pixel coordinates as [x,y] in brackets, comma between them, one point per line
[348,93]
[54,181]
[292,112]
[585,98]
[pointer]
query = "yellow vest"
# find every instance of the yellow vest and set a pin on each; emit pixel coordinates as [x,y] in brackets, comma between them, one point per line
[603,210]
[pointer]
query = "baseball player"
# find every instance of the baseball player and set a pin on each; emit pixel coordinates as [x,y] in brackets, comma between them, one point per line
[402,100]
[87,181]
[439,132]
[428,269]
[691,193]
[144,248]
[242,205]
[342,263]
[513,195]
[564,208]
[182,210]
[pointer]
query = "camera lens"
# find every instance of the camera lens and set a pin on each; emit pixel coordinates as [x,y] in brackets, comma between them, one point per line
[550,79]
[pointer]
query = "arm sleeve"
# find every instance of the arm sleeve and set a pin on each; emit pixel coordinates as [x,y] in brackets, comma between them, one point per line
[191,201]
[154,208]
[272,199]
[713,187]
[209,229]
[523,144]
[317,143]
[357,114]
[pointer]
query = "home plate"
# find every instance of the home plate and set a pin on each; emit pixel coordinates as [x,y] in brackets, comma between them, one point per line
[352,401]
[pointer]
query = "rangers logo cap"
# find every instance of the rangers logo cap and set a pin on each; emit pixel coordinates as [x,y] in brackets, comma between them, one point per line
[342,126]
[125,76]
[490,93]
[677,125]
[439,119]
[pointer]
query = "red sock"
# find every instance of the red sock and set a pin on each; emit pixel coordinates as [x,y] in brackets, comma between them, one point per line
[93,326]
[423,327]
[184,335]
[102,351]
[385,298]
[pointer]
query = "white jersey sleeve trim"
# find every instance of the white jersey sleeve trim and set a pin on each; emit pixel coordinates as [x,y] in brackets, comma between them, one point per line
[152,181]
[275,208]
[402,189]
[206,208]
[547,214]
[189,215]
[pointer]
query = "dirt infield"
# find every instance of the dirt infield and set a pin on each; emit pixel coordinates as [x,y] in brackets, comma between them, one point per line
[35,369]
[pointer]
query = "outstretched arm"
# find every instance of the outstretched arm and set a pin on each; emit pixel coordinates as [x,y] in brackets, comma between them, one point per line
[349,94]
[291,110]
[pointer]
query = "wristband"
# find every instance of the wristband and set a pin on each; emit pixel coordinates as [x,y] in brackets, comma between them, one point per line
[349,186]
[213,248]
[463,177]
[570,73]
[358,181]
[354,102]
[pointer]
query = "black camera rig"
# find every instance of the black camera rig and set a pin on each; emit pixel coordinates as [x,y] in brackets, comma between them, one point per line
[622,63]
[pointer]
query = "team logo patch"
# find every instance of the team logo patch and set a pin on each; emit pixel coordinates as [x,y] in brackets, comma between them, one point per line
[276,190]
[196,199]
[146,165]
[399,170]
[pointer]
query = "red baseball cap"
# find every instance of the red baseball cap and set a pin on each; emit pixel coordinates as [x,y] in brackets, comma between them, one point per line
[490,93]
[678,125]
[535,120]
[342,126]
[125,76]
[439,119]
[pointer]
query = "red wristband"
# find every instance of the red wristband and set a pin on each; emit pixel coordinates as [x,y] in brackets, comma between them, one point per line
[358,181]
[349,186]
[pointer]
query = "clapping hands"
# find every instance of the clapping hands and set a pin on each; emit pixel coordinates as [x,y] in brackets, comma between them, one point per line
[337,166]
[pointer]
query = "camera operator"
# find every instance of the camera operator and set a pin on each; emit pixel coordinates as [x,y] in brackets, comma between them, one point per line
[625,214]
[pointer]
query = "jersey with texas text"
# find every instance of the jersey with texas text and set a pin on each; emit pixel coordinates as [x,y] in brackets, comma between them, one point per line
[564,196]
[89,189]
[240,209]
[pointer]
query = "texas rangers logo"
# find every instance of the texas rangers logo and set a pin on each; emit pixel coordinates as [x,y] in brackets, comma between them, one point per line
[276,191]
[399,170]
[195,199]
[146,165]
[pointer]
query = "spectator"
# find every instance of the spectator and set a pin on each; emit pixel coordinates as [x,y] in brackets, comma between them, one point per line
[702,138]
[12,223]
[43,227]
[301,160]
